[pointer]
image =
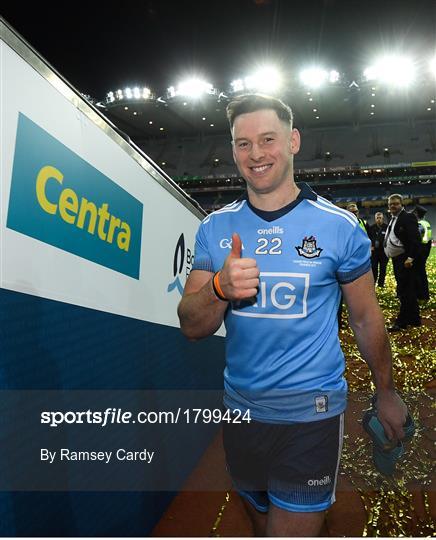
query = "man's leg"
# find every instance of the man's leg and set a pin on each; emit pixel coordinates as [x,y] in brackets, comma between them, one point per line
[383,264]
[419,264]
[258,519]
[374,265]
[397,264]
[303,479]
[246,447]
[409,308]
[284,523]
[422,290]
[300,474]
[426,250]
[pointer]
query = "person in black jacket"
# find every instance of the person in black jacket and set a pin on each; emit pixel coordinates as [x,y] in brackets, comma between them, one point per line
[379,260]
[402,243]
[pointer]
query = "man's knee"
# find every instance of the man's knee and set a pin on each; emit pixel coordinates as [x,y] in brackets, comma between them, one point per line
[258,519]
[293,524]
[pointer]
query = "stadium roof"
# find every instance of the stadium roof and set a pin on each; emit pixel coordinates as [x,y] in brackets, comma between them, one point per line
[347,104]
[157,43]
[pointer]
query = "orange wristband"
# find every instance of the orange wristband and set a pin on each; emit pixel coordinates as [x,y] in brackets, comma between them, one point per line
[217,287]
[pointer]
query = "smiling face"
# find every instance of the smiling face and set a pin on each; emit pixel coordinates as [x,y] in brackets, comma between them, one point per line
[263,150]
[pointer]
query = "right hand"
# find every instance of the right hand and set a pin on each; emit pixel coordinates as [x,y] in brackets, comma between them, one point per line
[239,277]
[392,413]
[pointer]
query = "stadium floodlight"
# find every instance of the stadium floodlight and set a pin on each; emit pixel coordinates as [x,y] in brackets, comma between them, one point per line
[334,76]
[265,79]
[370,73]
[313,77]
[393,70]
[193,88]
[250,82]
[129,93]
[237,85]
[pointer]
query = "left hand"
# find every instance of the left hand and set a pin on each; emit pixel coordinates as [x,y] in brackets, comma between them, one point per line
[408,263]
[392,413]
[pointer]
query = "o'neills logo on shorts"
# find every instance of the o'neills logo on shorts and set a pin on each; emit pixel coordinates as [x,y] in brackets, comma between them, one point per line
[320,482]
[60,199]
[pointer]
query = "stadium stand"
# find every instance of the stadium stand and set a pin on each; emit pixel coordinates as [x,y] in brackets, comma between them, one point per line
[363,146]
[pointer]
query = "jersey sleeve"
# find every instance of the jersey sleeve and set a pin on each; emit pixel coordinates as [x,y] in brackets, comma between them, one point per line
[202,257]
[355,258]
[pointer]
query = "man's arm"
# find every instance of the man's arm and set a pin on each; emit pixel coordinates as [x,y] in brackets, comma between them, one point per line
[200,311]
[367,322]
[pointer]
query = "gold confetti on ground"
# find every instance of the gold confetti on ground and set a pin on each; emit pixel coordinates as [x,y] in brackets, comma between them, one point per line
[214,530]
[398,506]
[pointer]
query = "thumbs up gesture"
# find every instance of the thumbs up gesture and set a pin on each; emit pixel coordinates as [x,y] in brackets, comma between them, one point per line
[236,246]
[239,277]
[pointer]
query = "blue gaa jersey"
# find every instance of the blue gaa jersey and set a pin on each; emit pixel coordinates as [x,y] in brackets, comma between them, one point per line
[283,357]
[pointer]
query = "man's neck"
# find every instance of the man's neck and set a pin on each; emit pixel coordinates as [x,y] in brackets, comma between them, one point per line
[276,200]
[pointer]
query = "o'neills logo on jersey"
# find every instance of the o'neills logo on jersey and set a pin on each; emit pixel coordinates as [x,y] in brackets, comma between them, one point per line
[309,249]
[271,230]
[182,264]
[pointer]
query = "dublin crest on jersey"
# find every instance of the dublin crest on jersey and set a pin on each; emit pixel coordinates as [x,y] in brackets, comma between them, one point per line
[309,249]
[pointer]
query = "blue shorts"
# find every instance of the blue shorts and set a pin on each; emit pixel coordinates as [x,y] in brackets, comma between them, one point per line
[293,466]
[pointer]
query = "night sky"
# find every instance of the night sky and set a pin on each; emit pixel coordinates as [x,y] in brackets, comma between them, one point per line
[100,46]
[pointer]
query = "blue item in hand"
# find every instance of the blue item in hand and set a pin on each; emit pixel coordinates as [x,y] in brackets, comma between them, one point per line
[385,452]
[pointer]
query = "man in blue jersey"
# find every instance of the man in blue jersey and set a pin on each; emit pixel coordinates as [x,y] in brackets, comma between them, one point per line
[271,266]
